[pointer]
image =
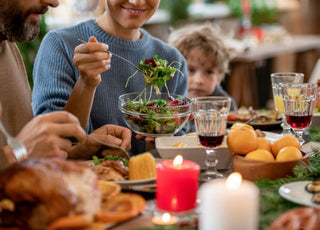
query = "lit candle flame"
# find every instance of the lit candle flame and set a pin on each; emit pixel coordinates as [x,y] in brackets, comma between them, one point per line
[178,160]
[234,180]
[166,217]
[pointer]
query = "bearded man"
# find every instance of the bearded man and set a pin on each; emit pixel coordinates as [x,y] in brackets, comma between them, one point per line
[45,135]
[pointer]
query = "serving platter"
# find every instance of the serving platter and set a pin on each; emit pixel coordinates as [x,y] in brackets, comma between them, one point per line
[129,184]
[273,121]
[296,193]
[261,126]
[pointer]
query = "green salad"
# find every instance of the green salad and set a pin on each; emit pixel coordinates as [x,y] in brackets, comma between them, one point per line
[156,113]
[156,72]
[157,116]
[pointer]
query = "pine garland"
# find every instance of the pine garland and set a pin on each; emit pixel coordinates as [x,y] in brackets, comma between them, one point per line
[271,203]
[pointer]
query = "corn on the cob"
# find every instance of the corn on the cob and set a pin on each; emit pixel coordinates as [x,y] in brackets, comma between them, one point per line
[142,166]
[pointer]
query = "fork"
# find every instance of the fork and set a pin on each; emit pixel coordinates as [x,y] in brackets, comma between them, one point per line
[17,147]
[136,67]
[109,145]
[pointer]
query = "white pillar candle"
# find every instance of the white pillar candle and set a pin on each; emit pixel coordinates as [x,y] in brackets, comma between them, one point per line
[230,204]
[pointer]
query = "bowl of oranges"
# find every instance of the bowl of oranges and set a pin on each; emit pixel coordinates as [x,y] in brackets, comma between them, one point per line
[257,157]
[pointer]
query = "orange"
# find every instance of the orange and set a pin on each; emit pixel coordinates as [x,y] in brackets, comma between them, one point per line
[71,222]
[287,140]
[289,153]
[263,143]
[242,140]
[121,207]
[109,189]
[260,155]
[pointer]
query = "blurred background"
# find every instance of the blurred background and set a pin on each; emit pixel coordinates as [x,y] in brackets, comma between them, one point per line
[266,35]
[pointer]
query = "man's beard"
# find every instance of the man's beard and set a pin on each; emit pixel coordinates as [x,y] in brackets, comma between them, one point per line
[15,26]
[21,31]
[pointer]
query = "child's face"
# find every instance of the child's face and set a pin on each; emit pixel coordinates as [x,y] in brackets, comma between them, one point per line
[203,76]
[131,14]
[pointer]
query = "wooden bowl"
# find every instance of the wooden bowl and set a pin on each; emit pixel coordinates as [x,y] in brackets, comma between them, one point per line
[255,170]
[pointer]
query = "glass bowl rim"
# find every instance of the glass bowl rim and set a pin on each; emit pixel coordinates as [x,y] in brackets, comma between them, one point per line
[188,101]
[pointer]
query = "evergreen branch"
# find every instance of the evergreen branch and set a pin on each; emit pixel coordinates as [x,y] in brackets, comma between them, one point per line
[271,203]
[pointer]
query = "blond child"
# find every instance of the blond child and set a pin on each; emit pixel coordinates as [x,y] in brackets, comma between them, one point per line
[207,59]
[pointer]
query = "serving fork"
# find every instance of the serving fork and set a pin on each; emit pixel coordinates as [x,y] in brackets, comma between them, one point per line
[17,146]
[112,146]
[136,67]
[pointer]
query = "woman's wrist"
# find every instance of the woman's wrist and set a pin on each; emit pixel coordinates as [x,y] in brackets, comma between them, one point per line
[88,84]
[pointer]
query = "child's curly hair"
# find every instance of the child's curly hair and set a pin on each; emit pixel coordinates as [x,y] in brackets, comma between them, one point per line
[205,38]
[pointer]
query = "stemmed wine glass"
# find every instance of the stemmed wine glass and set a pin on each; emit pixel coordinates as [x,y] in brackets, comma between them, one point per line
[210,116]
[276,79]
[299,101]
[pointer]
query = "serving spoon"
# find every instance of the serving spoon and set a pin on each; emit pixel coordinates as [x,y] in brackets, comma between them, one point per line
[136,67]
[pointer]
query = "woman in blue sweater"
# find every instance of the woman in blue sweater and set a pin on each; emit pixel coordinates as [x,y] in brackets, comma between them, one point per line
[84,80]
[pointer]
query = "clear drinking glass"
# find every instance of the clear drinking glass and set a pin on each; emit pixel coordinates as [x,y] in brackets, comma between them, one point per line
[276,79]
[299,101]
[210,116]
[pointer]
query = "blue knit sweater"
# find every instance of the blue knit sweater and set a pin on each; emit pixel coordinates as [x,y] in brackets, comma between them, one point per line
[55,75]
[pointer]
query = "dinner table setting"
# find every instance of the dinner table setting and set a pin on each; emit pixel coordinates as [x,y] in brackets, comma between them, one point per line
[238,192]
[238,170]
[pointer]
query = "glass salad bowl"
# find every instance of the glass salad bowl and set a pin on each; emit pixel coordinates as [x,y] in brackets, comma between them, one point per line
[155,114]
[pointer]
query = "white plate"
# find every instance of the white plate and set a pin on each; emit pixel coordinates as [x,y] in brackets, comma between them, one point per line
[269,135]
[272,136]
[128,183]
[193,151]
[296,192]
[136,182]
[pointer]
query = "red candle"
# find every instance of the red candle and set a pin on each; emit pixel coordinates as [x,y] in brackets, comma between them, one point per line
[177,185]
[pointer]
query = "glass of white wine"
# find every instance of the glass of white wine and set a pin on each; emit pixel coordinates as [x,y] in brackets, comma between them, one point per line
[276,79]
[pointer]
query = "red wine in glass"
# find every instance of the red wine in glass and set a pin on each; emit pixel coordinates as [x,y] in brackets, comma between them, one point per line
[299,121]
[211,140]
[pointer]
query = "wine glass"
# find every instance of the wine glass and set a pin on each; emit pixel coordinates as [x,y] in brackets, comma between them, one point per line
[210,116]
[299,101]
[276,79]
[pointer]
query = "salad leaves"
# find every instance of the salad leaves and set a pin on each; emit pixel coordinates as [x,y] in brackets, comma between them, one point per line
[159,116]
[157,72]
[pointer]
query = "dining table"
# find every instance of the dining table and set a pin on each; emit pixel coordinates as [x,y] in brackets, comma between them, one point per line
[143,221]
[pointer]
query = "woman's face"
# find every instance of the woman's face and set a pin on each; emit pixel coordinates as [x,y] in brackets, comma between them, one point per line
[131,14]
[203,76]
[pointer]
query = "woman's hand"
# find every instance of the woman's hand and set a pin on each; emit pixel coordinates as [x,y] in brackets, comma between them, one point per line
[91,59]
